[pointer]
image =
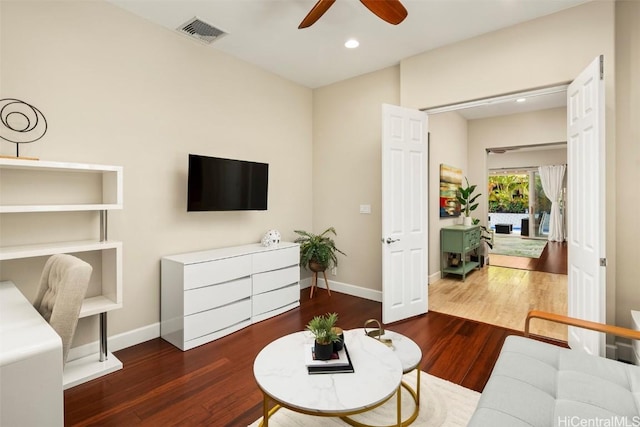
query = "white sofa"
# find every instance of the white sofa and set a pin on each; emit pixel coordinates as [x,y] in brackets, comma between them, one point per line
[538,384]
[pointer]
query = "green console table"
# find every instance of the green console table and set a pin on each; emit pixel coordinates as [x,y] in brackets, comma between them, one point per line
[460,240]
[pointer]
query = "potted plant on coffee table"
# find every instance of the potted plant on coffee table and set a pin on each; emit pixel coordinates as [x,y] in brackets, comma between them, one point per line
[323,329]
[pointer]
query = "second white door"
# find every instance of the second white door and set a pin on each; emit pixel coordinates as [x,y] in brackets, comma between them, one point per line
[586,206]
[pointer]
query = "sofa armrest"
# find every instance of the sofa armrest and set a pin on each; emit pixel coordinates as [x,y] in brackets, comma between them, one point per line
[586,324]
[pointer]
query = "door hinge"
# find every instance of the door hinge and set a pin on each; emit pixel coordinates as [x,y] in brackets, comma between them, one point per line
[603,262]
[601,67]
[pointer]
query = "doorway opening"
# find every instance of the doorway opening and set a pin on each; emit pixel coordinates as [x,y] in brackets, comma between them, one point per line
[495,294]
[518,210]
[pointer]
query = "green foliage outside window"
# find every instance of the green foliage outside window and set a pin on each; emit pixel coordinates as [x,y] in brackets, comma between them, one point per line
[510,194]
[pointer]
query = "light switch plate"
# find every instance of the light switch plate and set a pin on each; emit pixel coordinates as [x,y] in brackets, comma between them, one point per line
[365,209]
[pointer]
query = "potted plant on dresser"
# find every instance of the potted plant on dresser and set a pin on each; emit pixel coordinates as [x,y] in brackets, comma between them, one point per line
[324,331]
[467,201]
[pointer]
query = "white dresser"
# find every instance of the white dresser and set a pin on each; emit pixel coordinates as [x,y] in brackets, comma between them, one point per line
[30,364]
[209,294]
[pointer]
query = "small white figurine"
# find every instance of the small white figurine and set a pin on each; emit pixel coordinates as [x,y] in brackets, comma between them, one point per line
[271,238]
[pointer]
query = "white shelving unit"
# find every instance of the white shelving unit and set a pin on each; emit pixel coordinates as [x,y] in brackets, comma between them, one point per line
[33,186]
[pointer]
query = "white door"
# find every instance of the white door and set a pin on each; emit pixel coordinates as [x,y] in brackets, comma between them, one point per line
[404,213]
[586,205]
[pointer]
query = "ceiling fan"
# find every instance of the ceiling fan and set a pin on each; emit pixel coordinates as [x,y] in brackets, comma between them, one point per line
[391,11]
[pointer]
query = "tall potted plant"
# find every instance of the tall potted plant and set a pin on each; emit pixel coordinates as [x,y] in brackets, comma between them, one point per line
[467,201]
[486,239]
[318,251]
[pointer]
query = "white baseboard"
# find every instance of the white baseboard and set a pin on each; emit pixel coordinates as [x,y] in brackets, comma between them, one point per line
[625,352]
[83,363]
[345,288]
[87,368]
[117,342]
[434,277]
[611,351]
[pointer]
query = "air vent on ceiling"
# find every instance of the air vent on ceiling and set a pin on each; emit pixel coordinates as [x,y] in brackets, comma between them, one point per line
[200,30]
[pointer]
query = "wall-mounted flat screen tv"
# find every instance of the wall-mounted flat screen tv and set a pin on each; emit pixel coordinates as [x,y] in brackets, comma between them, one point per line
[216,184]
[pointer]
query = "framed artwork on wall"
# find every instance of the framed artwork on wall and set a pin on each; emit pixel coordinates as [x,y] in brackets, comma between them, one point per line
[450,181]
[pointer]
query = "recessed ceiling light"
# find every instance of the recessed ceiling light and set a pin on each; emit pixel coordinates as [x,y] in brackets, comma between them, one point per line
[521,99]
[351,44]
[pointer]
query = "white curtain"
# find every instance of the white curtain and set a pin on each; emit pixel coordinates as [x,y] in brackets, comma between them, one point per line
[551,178]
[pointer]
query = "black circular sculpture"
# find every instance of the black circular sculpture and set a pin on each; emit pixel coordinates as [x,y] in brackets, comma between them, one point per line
[22,123]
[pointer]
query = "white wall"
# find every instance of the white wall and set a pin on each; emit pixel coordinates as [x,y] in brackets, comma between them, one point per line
[116,89]
[546,51]
[627,157]
[448,144]
[347,159]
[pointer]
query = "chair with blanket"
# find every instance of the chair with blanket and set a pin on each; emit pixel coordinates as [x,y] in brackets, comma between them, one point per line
[62,289]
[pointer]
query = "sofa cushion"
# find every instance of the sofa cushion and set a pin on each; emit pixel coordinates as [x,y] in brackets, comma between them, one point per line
[539,384]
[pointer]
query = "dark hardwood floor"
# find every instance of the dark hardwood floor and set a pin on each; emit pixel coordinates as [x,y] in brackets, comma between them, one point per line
[552,260]
[214,385]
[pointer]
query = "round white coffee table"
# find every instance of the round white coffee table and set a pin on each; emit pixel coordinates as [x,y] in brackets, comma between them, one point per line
[282,375]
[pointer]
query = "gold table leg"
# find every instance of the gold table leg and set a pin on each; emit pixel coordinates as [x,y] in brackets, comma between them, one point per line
[399,409]
[416,398]
[266,413]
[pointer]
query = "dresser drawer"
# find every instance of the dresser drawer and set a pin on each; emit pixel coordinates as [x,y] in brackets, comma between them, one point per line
[275,299]
[277,258]
[207,322]
[271,280]
[471,239]
[208,297]
[218,271]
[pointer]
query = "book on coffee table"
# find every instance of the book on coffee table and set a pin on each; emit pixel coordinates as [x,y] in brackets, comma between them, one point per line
[340,362]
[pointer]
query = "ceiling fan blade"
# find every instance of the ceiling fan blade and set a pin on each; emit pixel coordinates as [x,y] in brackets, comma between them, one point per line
[391,11]
[314,14]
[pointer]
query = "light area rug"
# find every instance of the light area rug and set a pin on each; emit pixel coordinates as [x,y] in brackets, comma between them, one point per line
[442,404]
[517,246]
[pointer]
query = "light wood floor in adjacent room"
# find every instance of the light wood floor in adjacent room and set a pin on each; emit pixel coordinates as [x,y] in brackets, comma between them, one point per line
[503,297]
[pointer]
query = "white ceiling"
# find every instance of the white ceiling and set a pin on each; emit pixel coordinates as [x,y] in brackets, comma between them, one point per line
[265,32]
[534,100]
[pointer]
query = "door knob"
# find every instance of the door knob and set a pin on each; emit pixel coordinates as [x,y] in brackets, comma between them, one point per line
[390,240]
